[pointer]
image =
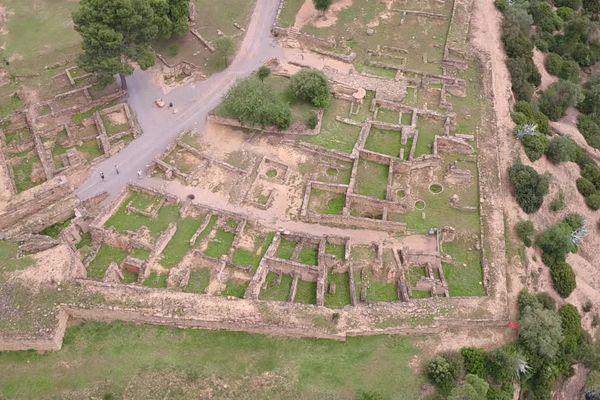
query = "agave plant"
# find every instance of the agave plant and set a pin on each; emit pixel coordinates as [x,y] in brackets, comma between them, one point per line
[526,130]
[578,236]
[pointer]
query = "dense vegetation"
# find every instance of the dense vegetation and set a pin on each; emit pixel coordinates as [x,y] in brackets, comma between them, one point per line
[549,343]
[529,187]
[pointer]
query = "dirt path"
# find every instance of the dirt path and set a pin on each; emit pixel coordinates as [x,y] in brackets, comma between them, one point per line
[193,101]
[309,14]
[547,79]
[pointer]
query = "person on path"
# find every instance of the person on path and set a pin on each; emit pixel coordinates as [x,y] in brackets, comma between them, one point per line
[139,174]
[117,169]
[102,176]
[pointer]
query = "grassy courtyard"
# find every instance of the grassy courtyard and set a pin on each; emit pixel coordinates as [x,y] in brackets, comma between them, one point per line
[118,360]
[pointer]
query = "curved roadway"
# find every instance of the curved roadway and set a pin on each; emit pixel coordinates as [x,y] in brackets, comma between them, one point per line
[193,101]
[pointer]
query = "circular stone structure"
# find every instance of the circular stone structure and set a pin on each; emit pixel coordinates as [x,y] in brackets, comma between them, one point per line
[436,188]
[332,171]
[401,194]
[420,205]
[272,173]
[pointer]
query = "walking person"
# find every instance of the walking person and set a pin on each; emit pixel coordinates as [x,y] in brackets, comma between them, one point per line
[102,176]
[117,169]
[139,174]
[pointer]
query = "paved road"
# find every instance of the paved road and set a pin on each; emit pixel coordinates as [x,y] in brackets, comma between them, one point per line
[193,101]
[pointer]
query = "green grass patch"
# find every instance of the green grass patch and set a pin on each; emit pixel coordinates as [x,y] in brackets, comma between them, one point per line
[338,250]
[129,277]
[23,172]
[326,202]
[90,150]
[10,104]
[342,287]
[306,292]
[336,135]
[235,288]
[381,291]
[275,291]
[106,255]
[251,258]
[207,230]
[286,248]
[463,280]
[113,128]
[421,294]
[86,240]
[120,360]
[390,116]
[428,129]
[371,179]
[122,221]
[179,245]
[221,244]
[154,280]
[384,142]
[309,254]
[378,71]
[140,253]
[55,230]
[199,281]
[8,257]
[415,274]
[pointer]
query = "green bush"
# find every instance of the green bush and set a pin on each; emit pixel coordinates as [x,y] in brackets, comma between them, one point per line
[593,201]
[589,129]
[526,299]
[474,361]
[561,149]
[553,63]
[571,327]
[540,333]
[565,13]
[574,220]
[556,243]
[546,301]
[591,100]
[535,146]
[441,373]
[529,188]
[255,104]
[558,97]
[525,232]
[313,120]
[558,203]
[591,172]
[499,366]
[563,279]
[519,118]
[311,85]
[585,187]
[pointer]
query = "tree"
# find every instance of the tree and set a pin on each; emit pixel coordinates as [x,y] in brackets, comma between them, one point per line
[540,332]
[223,49]
[556,243]
[253,103]
[263,73]
[441,373]
[588,127]
[474,388]
[311,85]
[322,5]
[563,279]
[525,231]
[529,188]
[535,146]
[571,327]
[585,187]
[558,97]
[474,361]
[117,33]
[561,149]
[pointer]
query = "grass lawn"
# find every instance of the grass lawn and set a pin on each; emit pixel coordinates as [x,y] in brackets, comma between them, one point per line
[10,104]
[220,245]
[371,179]
[336,135]
[199,280]
[23,172]
[155,280]
[276,292]
[122,221]
[326,202]
[121,360]
[306,292]
[309,254]
[235,287]
[381,291]
[385,115]
[179,245]
[384,142]
[105,256]
[464,280]
[113,128]
[8,257]
[247,258]
[129,277]
[342,287]
[415,274]
[427,128]
[289,11]
[338,250]
[286,249]
[140,253]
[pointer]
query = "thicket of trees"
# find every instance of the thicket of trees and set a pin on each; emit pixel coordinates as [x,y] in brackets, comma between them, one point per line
[117,33]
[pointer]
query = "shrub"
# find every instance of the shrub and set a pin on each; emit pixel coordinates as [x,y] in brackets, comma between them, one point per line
[565,13]
[558,97]
[254,104]
[556,242]
[263,72]
[561,149]
[593,201]
[311,85]
[474,360]
[553,63]
[525,231]
[440,373]
[526,299]
[499,366]
[529,187]
[474,388]
[313,120]
[591,172]
[519,118]
[585,187]
[546,301]
[563,279]
[570,71]
[535,146]
[558,203]
[573,4]
[589,129]
[574,220]
[541,332]
[571,327]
